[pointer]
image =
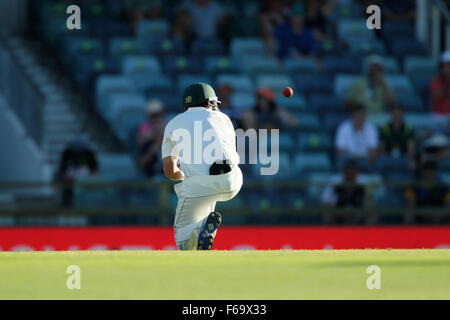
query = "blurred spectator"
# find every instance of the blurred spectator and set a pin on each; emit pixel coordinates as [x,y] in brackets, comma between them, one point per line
[225,92]
[317,16]
[137,10]
[207,16]
[77,160]
[272,13]
[182,28]
[293,36]
[395,11]
[371,91]
[266,114]
[397,137]
[149,138]
[435,148]
[440,87]
[357,137]
[429,192]
[346,190]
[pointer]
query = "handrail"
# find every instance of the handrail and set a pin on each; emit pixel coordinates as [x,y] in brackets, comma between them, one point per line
[444,10]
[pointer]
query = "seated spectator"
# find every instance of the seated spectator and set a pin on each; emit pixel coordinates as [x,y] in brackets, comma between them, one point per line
[371,91]
[266,114]
[137,10]
[294,37]
[149,138]
[182,29]
[440,87]
[347,189]
[77,160]
[397,137]
[357,137]
[207,16]
[317,17]
[435,148]
[271,14]
[224,92]
[429,192]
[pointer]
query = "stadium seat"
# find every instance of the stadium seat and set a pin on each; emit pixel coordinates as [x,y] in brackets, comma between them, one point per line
[332,120]
[420,65]
[126,122]
[87,194]
[390,65]
[294,103]
[213,47]
[312,162]
[164,47]
[76,46]
[242,101]
[126,46]
[320,102]
[275,82]
[421,83]
[256,65]
[339,64]
[175,65]
[307,121]
[118,102]
[140,64]
[185,80]
[444,165]
[410,101]
[300,66]
[247,46]
[346,10]
[87,65]
[153,29]
[112,83]
[313,83]
[220,64]
[314,142]
[402,47]
[379,119]
[353,30]
[386,164]
[366,47]
[342,83]
[239,82]
[399,83]
[105,28]
[117,166]
[397,30]
[153,83]
[286,142]
[420,121]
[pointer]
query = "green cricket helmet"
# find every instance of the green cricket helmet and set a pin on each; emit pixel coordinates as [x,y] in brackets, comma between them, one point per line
[199,94]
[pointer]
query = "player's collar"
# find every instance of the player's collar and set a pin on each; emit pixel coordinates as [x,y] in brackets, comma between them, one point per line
[191,109]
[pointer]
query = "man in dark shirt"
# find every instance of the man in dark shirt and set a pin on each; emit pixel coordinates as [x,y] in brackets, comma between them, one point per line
[397,137]
[429,192]
[77,160]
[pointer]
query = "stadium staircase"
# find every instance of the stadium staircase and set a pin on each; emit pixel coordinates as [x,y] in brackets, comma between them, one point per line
[64,115]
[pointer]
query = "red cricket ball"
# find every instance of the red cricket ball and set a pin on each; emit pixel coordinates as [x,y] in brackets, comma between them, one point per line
[288,92]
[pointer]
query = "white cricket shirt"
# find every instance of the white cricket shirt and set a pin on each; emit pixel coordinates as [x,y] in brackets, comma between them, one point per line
[198,137]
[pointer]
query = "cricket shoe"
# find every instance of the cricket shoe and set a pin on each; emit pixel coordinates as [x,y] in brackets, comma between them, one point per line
[206,236]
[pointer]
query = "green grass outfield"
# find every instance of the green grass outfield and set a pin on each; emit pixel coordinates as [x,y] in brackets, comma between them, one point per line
[286,274]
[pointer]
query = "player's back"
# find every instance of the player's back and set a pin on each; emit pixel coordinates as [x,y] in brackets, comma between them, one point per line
[202,136]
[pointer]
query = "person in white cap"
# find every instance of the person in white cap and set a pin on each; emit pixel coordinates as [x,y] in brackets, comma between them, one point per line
[372,91]
[149,137]
[440,87]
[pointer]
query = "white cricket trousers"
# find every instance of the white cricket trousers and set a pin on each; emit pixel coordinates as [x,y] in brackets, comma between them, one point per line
[197,197]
